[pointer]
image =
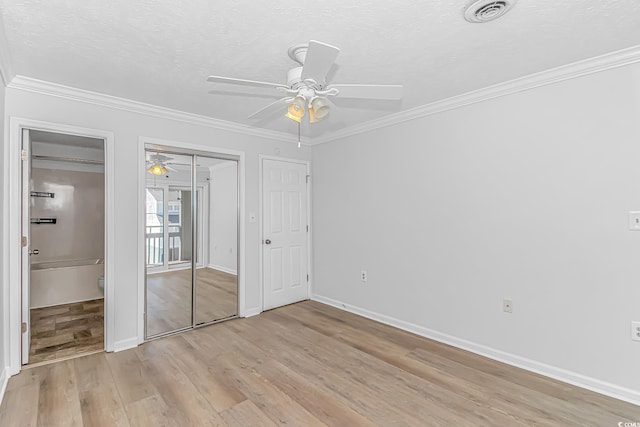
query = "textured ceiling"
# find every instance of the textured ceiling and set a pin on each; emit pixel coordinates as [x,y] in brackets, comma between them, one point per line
[161,51]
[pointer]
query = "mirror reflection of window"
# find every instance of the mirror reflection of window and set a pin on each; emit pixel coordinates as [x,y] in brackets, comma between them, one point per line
[154,226]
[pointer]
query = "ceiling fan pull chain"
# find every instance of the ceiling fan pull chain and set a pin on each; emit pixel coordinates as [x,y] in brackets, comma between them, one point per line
[298,134]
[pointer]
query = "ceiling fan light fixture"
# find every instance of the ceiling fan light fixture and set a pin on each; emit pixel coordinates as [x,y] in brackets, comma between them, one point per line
[157,170]
[295,111]
[292,117]
[319,108]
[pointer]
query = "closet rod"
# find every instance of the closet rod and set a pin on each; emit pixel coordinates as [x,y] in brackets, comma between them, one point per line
[67,159]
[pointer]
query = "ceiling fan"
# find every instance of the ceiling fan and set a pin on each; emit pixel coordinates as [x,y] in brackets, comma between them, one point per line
[157,164]
[308,88]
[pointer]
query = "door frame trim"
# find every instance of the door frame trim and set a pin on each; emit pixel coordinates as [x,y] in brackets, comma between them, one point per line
[11,246]
[307,165]
[141,209]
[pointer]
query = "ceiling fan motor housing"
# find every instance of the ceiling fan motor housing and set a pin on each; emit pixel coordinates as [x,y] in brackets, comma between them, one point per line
[294,77]
[298,53]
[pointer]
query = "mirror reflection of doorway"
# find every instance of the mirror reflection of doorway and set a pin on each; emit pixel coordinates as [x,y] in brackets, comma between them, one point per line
[184,291]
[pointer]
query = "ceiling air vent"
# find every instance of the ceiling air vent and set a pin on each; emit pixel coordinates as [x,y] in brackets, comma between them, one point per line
[487,10]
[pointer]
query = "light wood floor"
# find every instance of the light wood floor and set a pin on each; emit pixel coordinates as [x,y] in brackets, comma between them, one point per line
[302,365]
[169,298]
[65,330]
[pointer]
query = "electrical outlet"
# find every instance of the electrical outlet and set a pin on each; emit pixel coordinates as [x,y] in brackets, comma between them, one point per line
[634,221]
[363,275]
[507,306]
[635,331]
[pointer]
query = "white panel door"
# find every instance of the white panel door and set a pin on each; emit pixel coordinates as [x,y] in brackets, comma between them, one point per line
[285,233]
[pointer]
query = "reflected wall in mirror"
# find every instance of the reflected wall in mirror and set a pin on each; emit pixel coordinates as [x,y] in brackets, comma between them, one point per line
[216,283]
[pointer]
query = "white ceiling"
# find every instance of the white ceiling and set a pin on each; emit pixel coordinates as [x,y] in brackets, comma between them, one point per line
[161,51]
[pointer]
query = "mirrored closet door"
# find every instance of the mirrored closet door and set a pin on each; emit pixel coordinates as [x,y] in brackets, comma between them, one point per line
[191,239]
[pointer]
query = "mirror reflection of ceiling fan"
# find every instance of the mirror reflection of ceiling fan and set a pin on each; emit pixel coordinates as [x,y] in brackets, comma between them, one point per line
[157,164]
[160,164]
[308,88]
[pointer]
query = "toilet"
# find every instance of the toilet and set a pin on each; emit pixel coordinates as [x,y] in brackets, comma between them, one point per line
[101,283]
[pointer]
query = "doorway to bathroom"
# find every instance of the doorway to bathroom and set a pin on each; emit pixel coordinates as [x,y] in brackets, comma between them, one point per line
[63,239]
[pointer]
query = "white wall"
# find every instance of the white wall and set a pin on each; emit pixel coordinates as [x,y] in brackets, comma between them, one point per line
[127,127]
[4,291]
[523,197]
[223,203]
[78,206]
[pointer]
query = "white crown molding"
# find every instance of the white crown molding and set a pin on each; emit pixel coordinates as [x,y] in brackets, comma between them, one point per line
[66,92]
[554,75]
[6,71]
[577,69]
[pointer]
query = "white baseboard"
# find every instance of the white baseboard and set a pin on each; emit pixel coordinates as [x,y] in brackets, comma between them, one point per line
[593,384]
[252,312]
[125,344]
[72,301]
[223,269]
[4,380]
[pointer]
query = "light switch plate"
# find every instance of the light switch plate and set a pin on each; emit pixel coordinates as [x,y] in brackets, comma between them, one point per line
[635,331]
[634,221]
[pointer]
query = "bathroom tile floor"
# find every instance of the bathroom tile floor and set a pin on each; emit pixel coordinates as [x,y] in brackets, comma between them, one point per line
[66,330]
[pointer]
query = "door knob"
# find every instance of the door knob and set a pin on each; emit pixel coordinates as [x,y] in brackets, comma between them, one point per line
[34,251]
[267,242]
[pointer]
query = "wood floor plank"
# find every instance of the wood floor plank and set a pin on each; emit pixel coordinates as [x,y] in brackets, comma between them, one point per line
[59,402]
[130,377]
[322,404]
[275,404]
[244,414]
[306,364]
[65,330]
[222,340]
[364,328]
[456,390]
[187,405]
[343,386]
[20,403]
[99,398]
[195,364]
[151,411]
[389,383]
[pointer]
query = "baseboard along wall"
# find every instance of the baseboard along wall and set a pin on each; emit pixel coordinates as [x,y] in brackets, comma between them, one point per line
[573,378]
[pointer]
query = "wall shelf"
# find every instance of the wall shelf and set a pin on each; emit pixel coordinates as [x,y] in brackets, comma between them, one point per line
[43,220]
[42,194]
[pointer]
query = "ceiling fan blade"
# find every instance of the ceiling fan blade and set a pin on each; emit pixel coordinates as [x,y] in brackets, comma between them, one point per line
[178,164]
[243,82]
[318,61]
[170,168]
[386,92]
[270,108]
